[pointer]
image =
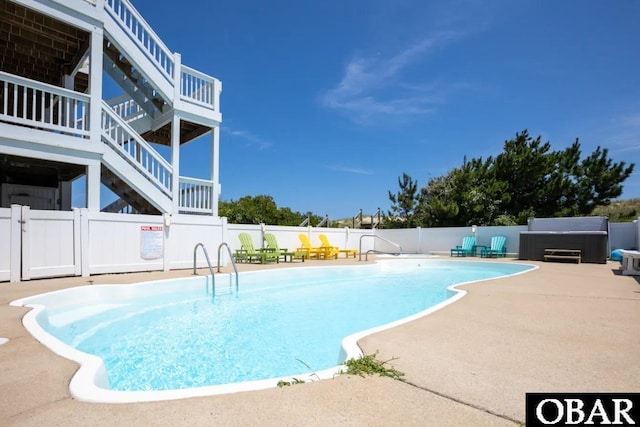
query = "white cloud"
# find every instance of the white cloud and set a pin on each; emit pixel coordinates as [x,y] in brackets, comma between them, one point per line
[248,138]
[374,86]
[623,133]
[379,86]
[347,169]
[632,120]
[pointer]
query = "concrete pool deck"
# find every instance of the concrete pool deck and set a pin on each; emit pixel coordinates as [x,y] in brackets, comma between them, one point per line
[560,328]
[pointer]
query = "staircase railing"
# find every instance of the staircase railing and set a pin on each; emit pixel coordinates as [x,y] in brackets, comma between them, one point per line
[195,86]
[31,103]
[119,206]
[325,222]
[378,216]
[126,107]
[122,138]
[357,217]
[128,18]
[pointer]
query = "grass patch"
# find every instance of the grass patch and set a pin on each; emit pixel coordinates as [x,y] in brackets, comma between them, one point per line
[620,210]
[369,365]
[363,366]
[293,381]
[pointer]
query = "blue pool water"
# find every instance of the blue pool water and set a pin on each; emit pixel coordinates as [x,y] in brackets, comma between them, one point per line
[174,335]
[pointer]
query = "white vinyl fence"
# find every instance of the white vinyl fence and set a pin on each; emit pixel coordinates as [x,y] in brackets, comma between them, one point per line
[624,235]
[44,243]
[441,240]
[6,243]
[287,236]
[38,244]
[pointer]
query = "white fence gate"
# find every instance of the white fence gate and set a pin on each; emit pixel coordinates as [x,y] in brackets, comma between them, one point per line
[39,244]
[50,243]
[45,243]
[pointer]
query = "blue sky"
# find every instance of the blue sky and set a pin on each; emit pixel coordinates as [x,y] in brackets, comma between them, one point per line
[326,103]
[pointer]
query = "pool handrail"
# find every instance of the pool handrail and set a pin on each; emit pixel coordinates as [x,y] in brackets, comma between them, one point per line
[206,255]
[233,263]
[372,250]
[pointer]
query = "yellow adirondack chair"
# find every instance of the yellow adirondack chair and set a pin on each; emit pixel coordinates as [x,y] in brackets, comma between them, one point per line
[317,252]
[335,250]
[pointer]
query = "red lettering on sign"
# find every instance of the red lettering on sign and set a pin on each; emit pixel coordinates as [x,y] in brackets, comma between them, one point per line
[150,228]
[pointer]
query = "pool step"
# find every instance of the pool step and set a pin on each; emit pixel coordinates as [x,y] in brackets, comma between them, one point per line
[67,317]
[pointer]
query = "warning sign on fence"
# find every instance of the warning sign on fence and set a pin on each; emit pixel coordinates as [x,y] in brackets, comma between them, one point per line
[151,242]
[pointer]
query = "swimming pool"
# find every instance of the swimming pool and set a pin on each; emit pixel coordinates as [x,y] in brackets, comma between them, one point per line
[171,339]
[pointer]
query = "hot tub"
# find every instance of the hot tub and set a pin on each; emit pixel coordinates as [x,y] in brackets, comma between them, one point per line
[592,244]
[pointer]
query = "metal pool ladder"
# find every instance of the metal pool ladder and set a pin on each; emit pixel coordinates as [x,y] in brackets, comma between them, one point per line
[206,255]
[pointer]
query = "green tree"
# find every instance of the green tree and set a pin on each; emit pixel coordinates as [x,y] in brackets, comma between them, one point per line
[524,167]
[261,209]
[466,195]
[288,217]
[250,210]
[600,180]
[440,205]
[527,179]
[404,204]
[544,183]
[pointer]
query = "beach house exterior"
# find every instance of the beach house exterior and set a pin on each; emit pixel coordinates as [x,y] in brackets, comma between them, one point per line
[94,110]
[59,126]
[56,126]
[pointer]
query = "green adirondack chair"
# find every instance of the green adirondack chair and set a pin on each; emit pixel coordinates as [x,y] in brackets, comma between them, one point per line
[248,253]
[272,245]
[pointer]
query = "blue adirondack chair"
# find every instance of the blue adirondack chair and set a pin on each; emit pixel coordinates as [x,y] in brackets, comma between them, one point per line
[497,249]
[468,247]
